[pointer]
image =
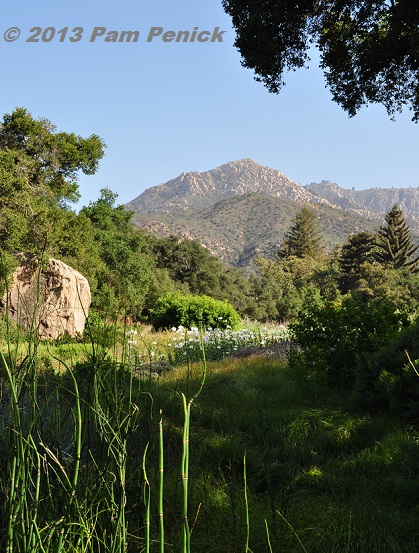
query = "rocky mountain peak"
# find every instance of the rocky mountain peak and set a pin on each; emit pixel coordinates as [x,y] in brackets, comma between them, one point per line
[242,209]
[195,190]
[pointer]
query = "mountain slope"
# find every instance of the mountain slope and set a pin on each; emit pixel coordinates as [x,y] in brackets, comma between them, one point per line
[241,209]
[373,202]
[240,228]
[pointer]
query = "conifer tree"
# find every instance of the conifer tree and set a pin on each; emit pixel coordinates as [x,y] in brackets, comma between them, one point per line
[393,242]
[358,249]
[304,239]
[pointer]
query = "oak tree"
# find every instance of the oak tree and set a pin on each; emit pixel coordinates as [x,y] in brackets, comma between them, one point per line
[369,50]
[39,170]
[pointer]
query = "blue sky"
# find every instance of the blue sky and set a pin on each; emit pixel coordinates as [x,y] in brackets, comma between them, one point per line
[164,108]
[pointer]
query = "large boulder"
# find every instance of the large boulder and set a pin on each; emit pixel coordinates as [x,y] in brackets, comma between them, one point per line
[54,300]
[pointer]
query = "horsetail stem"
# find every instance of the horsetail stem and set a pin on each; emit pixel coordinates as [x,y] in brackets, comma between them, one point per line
[161,476]
[147,494]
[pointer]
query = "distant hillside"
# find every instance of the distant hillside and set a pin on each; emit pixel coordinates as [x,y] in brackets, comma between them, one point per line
[240,228]
[242,209]
[373,202]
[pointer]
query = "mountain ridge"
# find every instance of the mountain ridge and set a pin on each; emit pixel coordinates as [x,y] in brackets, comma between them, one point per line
[242,209]
[375,201]
[194,190]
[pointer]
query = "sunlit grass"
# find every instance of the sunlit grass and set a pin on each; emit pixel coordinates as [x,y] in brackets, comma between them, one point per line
[93,452]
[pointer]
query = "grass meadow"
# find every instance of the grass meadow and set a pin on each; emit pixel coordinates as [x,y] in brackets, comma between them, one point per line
[127,443]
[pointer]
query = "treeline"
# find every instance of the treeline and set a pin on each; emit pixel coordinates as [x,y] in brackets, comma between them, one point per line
[366,268]
[130,269]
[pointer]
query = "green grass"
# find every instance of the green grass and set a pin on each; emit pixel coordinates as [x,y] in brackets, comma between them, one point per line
[93,453]
[345,482]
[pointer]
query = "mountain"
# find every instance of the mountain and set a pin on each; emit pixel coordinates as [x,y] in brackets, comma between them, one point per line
[238,229]
[373,201]
[196,190]
[242,209]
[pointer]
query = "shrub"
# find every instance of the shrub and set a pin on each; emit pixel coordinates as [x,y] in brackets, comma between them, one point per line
[176,309]
[333,335]
[386,380]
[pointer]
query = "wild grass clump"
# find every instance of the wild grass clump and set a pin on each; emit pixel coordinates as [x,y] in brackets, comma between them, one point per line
[99,457]
[316,472]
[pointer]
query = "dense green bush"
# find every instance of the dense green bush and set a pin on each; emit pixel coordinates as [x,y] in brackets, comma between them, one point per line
[333,335]
[176,309]
[386,380]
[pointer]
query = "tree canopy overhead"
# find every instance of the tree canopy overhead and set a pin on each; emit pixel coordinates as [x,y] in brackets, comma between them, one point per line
[369,49]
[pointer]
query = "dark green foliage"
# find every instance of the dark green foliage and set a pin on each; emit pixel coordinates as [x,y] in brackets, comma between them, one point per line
[176,309]
[393,242]
[386,380]
[304,238]
[125,270]
[38,177]
[191,265]
[281,286]
[332,336]
[357,250]
[368,50]
[52,159]
[375,281]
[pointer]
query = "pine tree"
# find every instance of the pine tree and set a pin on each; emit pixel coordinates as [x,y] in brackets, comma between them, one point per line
[358,249]
[304,239]
[393,242]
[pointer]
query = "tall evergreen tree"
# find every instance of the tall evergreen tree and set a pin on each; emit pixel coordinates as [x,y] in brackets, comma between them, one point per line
[304,239]
[393,242]
[358,249]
